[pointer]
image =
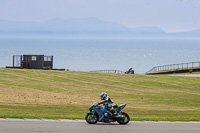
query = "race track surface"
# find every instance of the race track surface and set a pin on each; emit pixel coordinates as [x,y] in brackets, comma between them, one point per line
[61,126]
[187,75]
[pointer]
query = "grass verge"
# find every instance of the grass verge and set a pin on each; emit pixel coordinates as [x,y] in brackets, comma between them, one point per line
[68,95]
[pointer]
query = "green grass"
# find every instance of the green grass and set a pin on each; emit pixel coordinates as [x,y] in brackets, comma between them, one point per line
[68,95]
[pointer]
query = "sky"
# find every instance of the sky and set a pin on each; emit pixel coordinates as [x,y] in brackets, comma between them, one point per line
[169,15]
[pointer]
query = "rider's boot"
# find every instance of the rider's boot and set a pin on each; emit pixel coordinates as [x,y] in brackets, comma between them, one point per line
[113,111]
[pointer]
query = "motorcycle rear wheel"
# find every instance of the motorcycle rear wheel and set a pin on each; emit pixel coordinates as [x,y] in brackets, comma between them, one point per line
[91,118]
[125,120]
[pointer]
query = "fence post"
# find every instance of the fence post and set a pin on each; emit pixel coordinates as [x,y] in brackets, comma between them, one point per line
[13,61]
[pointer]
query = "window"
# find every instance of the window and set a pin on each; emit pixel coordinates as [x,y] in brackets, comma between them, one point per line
[34,58]
[47,58]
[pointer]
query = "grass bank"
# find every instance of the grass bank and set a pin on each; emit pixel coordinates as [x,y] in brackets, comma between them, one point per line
[68,95]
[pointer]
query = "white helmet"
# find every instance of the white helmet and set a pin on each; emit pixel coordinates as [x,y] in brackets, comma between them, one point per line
[103,96]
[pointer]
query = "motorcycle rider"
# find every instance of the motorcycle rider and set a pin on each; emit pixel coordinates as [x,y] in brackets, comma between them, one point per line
[109,102]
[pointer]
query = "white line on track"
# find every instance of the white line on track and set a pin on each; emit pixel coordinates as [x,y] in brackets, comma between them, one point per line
[67,120]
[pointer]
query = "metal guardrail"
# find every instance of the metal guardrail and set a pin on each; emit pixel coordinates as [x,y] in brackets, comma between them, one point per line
[174,67]
[109,71]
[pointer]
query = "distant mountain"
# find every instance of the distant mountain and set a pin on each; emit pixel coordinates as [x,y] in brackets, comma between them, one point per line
[197,31]
[192,33]
[148,30]
[13,27]
[85,26]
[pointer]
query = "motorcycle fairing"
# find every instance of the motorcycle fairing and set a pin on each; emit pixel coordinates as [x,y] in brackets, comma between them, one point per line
[120,107]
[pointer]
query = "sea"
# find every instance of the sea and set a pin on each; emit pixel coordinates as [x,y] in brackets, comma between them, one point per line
[91,54]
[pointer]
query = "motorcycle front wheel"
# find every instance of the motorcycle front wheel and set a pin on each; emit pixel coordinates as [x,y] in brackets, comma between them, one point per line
[124,120]
[91,118]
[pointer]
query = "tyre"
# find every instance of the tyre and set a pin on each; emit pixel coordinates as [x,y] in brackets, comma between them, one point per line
[91,118]
[124,120]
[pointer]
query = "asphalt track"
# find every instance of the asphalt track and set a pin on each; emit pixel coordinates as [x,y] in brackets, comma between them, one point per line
[187,75]
[66,126]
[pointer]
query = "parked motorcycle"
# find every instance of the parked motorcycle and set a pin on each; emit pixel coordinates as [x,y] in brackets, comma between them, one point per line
[102,114]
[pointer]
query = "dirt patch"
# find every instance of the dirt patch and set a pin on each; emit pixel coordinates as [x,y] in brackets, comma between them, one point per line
[31,96]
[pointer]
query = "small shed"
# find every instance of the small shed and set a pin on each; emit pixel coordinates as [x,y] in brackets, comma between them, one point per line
[33,61]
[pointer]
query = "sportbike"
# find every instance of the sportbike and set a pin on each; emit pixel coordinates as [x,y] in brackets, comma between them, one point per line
[103,114]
